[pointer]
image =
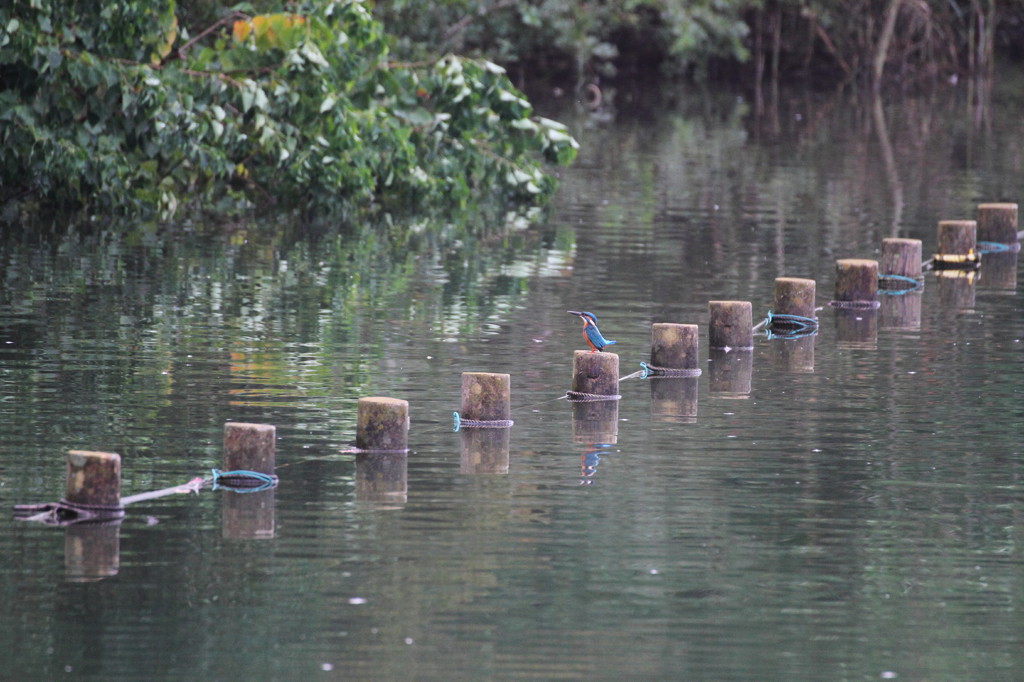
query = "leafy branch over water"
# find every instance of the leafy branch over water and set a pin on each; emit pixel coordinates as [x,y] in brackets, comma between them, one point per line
[112,107]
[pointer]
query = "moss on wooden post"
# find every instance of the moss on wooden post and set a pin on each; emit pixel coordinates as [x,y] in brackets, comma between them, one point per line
[382,424]
[486,396]
[93,479]
[674,346]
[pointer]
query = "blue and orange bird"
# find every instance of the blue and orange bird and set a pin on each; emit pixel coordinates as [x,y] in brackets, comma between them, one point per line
[591,334]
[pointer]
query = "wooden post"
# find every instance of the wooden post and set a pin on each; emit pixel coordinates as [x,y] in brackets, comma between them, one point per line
[901,257]
[94,480]
[856,282]
[794,296]
[382,424]
[486,396]
[997,223]
[957,237]
[730,325]
[674,346]
[595,373]
[249,447]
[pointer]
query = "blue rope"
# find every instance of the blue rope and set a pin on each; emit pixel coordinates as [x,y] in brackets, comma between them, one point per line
[801,326]
[915,284]
[262,481]
[992,247]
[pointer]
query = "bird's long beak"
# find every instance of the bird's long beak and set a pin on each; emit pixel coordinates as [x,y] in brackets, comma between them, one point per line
[574,312]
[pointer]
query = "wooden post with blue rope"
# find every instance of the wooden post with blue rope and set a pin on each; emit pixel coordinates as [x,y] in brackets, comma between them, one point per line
[999,244]
[674,370]
[794,296]
[794,322]
[486,400]
[249,456]
[674,346]
[900,279]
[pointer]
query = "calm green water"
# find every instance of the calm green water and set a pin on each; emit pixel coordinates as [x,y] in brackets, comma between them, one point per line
[856,513]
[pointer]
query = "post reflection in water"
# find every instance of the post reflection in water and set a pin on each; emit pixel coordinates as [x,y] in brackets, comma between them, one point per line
[248,515]
[730,372]
[795,355]
[484,450]
[900,311]
[999,271]
[92,551]
[857,328]
[382,476]
[957,289]
[674,398]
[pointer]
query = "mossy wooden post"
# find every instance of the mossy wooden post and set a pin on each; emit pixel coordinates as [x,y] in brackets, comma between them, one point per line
[957,237]
[94,480]
[486,396]
[856,281]
[674,346]
[794,296]
[997,223]
[382,424]
[249,447]
[901,257]
[730,325]
[595,373]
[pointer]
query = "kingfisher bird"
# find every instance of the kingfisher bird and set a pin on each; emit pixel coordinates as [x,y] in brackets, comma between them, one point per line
[591,334]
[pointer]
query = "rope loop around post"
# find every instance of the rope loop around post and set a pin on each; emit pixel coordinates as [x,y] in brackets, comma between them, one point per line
[897,285]
[855,305]
[242,481]
[579,397]
[788,326]
[460,423]
[997,247]
[649,371]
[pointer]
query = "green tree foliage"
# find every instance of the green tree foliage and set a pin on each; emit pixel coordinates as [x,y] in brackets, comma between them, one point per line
[584,38]
[828,40]
[112,105]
